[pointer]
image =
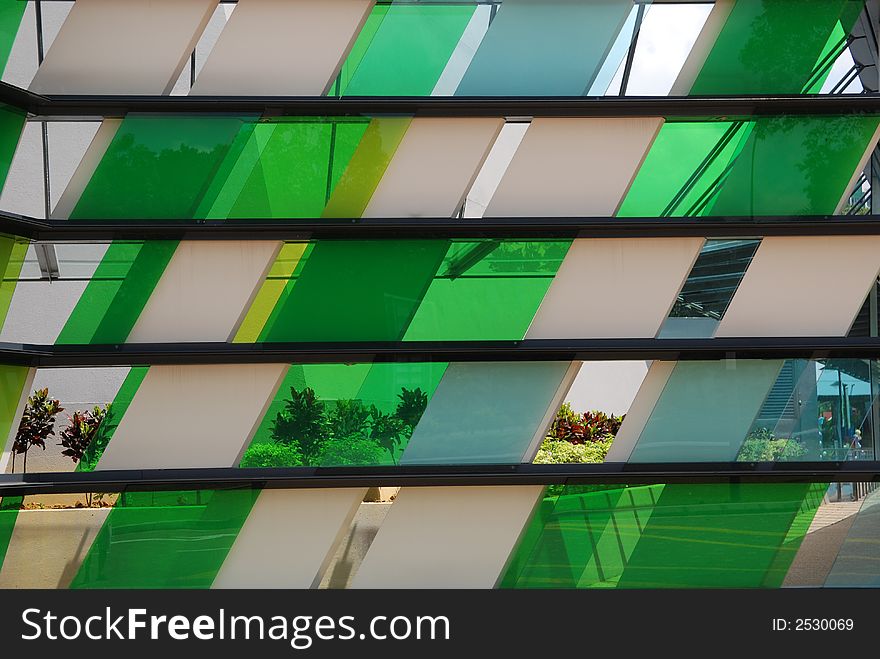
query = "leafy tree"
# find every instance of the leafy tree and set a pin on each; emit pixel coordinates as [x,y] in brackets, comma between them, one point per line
[302,422]
[411,405]
[387,430]
[349,419]
[37,424]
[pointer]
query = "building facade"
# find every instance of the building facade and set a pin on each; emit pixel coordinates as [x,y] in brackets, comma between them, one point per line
[335,265]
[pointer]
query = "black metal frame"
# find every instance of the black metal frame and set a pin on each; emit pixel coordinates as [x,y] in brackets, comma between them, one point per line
[426,476]
[79,107]
[431,228]
[55,356]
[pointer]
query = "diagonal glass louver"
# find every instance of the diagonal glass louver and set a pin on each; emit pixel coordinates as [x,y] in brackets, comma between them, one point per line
[165,539]
[599,535]
[664,536]
[435,413]
[311,308]
[714,168]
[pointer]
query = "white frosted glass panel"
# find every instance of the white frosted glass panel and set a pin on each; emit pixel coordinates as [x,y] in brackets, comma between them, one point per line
[573,166]
[447,537]
[637,280]
[488,412]
[192,416]
[113,47]
[204,291]
[288,538]
[434,167]
[271,48]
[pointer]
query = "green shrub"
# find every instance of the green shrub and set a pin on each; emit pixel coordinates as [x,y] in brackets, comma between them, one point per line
[319,430]
[351,451]
[554,451]
[763,446]
[271,454]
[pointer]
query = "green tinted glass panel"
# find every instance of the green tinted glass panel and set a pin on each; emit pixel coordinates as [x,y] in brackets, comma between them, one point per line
[12,255]
[159,167]
[13,380]
[355,291]
[11,124]
[361,414]
[11,12]
[9,507]
[113,418]
[359,48]
[487,290]
[664,536]
[721,535]
[770,166]
[366,168]
[682,168]
[165,539]
[559,541]
[289,168]
[835,45]
[117,292]
[404,50]
[772,46]
[795,165]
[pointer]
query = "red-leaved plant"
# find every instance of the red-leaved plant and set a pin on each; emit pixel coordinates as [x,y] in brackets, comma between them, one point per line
[37,424]
[569,426]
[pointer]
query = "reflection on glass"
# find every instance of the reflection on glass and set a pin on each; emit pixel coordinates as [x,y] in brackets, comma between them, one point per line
[487,290]
[817,410]
[787,165]
[709,288]
[743,535]
[176,539]
[343,414]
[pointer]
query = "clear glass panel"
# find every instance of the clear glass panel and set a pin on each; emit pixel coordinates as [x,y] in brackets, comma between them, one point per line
[710,286]
[535,48]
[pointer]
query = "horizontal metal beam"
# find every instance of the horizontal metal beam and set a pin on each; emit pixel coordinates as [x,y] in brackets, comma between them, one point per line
[49,356]
[726,108]
[467,475]
[433,228]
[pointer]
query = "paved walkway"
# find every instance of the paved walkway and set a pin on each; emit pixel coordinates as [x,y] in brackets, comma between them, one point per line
[831,513]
